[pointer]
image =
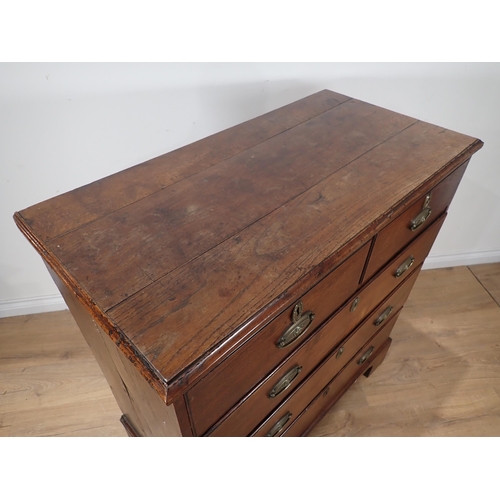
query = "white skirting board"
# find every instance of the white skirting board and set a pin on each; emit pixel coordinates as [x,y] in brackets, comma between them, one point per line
[48,303]
[461,259]
[32,305]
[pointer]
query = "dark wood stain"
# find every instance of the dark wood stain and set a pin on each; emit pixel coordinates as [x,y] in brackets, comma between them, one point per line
[269,257]
[140,243]
[182,267]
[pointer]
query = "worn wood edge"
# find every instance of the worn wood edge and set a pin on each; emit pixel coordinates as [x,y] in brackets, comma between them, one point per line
[184,417]
[153,377]
[259,320]
[383,351]
[220,351]
[386,218]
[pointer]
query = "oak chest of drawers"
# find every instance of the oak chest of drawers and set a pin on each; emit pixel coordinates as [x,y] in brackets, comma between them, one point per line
[239,285]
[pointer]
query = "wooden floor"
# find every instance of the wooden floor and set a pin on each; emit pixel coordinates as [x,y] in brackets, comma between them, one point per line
[441,376]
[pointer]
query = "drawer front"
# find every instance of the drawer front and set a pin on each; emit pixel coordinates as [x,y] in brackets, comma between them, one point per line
[391,276]
[328,397]
[286,414]
[222,388]
[272,391]
[407,260]
[413,221]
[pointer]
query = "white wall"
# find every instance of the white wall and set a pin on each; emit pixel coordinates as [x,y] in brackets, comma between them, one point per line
[64,125]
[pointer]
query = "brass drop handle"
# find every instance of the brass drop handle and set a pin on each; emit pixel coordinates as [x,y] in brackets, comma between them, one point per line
[366,355]
[423,215]
[420,218]
[355,303]
[285,382]
[405,266]
[279,425]
[383,316]
[300,324]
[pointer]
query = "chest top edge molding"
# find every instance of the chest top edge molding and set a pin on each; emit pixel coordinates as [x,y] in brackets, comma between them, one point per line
[185,257]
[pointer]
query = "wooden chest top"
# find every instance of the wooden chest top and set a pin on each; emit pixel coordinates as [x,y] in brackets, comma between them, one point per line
[182,257]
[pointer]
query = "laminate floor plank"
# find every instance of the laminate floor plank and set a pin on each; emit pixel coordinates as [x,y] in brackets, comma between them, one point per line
[50,383]
[5,431]
[441,376]
[489,277]
[89,418]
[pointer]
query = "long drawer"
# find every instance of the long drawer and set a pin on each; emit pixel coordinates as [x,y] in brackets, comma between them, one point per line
[329,396]
[350,315]
[275,388]
[222,388]
[291,408]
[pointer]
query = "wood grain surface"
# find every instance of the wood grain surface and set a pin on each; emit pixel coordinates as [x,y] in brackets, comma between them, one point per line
[398,233]
[441,376]
[144,241]
[183,258]
[107,195]
[183,315]
[225,385]
[50,383]
[489,276]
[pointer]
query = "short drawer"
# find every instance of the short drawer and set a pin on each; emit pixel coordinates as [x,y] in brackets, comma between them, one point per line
[412,222]
[286,414]
[328,397]
[228,383]
[391,276]
[397,270]
[274,389]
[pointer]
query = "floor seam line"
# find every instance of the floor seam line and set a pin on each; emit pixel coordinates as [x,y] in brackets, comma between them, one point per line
[480,282]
